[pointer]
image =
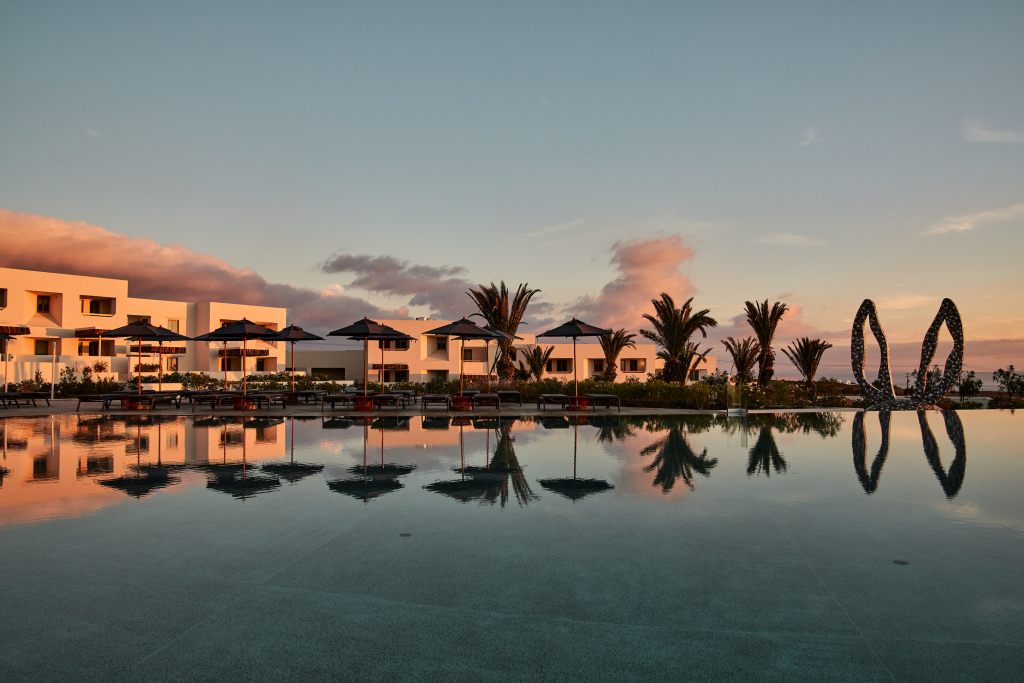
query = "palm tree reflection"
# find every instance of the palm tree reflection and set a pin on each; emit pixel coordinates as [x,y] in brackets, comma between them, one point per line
[674,459]
[765,455]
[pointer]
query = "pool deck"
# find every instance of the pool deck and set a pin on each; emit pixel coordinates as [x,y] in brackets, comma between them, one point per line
[67,406]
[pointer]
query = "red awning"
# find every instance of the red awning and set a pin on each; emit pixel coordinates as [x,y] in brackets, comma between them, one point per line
[89,332]
[249,353]
[14,329]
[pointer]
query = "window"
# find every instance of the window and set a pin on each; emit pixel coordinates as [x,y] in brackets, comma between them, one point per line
[43,303]
[396,344]
[634,365]
[3,297]
[42,347]
[138,318]
[89,347]
[174,325]
[171,364]
[442,343]
[467,354]
[599,365]
[97,305]
[559,365]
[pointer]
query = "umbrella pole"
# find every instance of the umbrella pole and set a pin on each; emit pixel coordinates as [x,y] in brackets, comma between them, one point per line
[293,367]
[224,362]
[366,365]
[293,440]
[5,370]
[575,377]
[160,361]
[462,367]
[487,362]
[380,375]
[245,348]
[138,368]
[575,438]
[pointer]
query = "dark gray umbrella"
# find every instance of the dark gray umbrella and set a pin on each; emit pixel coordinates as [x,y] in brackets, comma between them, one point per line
[575,328]
[242,330]
[464,329]
[143,331]
[366,330]
[292,334]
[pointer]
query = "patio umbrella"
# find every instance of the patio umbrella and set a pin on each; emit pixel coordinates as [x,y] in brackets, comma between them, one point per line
[142,331]
[242,330]
[575,488]
[292,334]
[366,330]
[464,329]
[5,338]
[575,328]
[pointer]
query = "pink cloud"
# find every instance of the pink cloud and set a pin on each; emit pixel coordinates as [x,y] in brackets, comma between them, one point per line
[646,268]
[163,271]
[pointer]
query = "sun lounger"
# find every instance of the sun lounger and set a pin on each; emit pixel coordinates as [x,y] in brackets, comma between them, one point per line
[510,396]
[347,400]
[486,400]
[381,400]
[435,400]
[604,400]
[20,398]
[552,400]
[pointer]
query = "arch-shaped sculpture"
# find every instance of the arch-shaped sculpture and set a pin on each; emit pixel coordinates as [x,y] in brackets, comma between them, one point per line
[881,393]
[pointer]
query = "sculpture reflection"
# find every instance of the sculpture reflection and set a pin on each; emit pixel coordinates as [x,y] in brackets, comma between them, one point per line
[950,480]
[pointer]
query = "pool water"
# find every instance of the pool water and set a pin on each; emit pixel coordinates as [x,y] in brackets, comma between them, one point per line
[813,546]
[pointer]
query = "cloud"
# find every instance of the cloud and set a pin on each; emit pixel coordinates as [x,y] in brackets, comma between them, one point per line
[440,288]
[975,130]
[646,268]
[549,230]
[810,136]
[789,239]
[954,224]
[906,302]
[163,271]
[92,132]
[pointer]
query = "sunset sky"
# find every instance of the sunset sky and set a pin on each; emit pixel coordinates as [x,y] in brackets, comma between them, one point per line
[381,157]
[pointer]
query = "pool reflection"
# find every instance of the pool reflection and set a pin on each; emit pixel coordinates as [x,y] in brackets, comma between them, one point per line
[71,465]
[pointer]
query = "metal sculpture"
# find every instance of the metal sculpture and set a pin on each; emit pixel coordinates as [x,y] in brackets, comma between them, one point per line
[881,392]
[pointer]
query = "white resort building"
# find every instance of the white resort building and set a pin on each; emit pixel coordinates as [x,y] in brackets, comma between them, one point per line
[55,315]
[431,358]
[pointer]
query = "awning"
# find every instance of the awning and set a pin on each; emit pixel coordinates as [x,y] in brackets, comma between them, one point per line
[249,353]
[390,366]
[156,348]
[14,329]
[89,332]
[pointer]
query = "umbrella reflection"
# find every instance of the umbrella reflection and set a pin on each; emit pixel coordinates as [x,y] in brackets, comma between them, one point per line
[235,479]
[374,480]
[146,479]
[575,488]
[292,471]
[492,482]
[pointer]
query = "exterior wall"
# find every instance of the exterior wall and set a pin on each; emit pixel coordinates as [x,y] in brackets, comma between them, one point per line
[70,311]
[425,361]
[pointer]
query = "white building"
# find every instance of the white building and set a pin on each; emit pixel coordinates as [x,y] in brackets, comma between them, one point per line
[64,315]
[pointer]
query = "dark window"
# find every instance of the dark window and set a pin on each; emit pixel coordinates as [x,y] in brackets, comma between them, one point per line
[559,365]
[634,364]
[43,303]
[42,347]
[599,365]
[3,297]
[467,354]
[395,344]
[442,343]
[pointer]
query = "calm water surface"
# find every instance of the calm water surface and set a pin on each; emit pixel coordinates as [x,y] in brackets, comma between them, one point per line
[818,546]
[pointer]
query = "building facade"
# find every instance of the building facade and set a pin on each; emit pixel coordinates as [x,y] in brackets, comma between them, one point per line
[59,320]
[430,358]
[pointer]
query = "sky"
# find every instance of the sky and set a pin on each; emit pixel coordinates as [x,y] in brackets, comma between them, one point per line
[380,158]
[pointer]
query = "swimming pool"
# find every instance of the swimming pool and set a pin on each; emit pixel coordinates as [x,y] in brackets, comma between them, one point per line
[800,545]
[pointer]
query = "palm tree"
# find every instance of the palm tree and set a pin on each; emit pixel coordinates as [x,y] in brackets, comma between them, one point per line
[744,354]
[612,345]
[763,320]
[503,313]
[690,358]
[806,355]
[536,361]
[673,328]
